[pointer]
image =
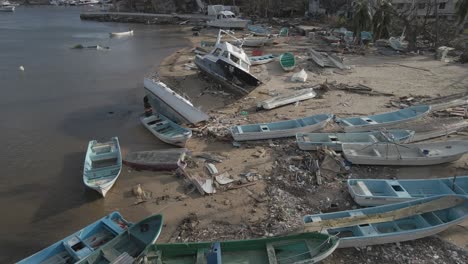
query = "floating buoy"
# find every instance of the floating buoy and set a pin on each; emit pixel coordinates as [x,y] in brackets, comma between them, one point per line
[21,68]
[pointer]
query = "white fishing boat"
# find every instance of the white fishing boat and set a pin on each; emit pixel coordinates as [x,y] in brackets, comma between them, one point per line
[121,34]
[257,60]
[286,99]
[175,107]
[102,165]
[254,41]
[228,65]
[280,129]
[418,154]
[6,6]
[227,19]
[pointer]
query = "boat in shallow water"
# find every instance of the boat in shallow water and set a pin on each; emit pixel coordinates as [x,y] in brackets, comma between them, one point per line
[121,34]
[374,122]
[312,141]
[417,154]
[166,130]
[374,192]
[82,243]
[129,245]
[391,223]
[293,249]
[280,129]
[102,165]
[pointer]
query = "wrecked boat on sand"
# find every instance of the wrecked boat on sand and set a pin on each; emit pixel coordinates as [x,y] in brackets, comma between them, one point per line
[228,65]
[175,107]
[166,130]
[391,223]
[374,192]
[280,129]
[374,122]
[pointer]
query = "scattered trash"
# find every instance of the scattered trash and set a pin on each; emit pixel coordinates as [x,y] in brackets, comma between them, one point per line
[224,178]
[140,194]
[211,168]
[299,76]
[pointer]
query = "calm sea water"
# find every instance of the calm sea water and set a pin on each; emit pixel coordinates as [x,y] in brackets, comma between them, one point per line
[50,111]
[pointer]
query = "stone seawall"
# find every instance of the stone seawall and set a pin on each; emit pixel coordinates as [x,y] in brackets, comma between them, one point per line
[144,18]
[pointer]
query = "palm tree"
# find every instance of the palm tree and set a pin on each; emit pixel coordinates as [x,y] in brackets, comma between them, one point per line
[362,19]
[461,9]
[382,19]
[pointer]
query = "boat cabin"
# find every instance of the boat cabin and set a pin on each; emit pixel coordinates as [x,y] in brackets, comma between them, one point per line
[231,54]
[225,15]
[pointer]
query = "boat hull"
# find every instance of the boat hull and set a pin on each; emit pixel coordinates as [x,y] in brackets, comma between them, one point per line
[240,134]
[385,120]
[374,192]
[392,223]
[168,160]
[288,99]
[180,139]
[237,23]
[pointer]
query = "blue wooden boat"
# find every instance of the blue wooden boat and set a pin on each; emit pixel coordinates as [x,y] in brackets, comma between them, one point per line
[280,129]
[102,165]
[257,60]
[312,141]
[393,222]
[373,192]
[129,245]
[82,243]
[374,122]
[292,249]
[166,130]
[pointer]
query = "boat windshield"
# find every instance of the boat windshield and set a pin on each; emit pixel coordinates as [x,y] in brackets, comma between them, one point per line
[244,65]
[235,59]
[216,52]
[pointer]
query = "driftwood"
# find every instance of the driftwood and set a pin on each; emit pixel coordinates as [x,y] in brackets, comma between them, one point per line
[435,205]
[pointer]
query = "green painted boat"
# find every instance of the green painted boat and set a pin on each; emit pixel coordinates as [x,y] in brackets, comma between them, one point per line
[292,249]
[288,61]
[130,244]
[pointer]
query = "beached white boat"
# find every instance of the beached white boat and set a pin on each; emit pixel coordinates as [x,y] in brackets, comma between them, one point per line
[280,129]
[393,222]
[7,8]
[374,122]
[286,99]
[418,154]
[166,130]
[102,165]
[229,65]
[167,102]
[227,19]
[375,192]
[257,60]
[121,34]
[312,141]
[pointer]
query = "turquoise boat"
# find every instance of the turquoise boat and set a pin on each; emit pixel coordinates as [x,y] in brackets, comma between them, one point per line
[82,243]
[374,192]
[130,244]
[257,60]
[288,128]
[374,122]
[166,130]
[287,61]
[393,222]
[293,249]
[102,165]
[258,30]
[312,141]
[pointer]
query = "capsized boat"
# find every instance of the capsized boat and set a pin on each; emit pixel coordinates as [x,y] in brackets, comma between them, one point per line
[287,61]
[312,141]
[257,60]
[102,165]
[82,243]
[374,192]
[121,34]
[166,159]
[130,244]
[229,65]
[166,130]
[280,129]
[286,99]
[294,249]
[393,222]
[173,106]
[374,122]
[227,19]
[417,154]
